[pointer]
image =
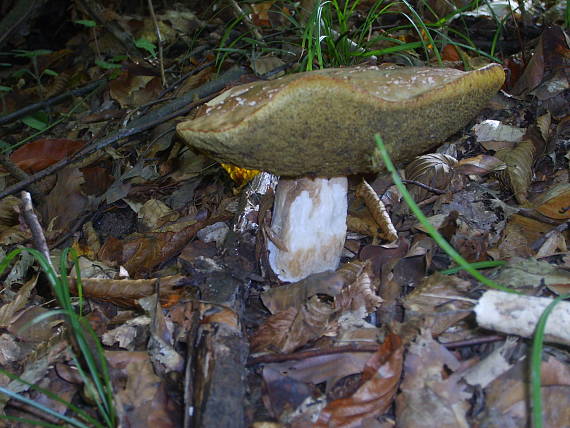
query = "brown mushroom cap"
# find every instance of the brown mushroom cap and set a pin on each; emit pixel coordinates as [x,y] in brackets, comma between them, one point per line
[322,122]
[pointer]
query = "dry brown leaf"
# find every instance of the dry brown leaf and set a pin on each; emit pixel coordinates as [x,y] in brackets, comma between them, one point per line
[434,304]
[66,202]
[290,329]
[40,154]
[380,379]
[436,170]
[125,292]
[429,398]
[555,202]
[518,174]
[140,253]
[377,210]
[507,396]
[141,397]
[282,394]
[480,165]
[323,368]
[8,310]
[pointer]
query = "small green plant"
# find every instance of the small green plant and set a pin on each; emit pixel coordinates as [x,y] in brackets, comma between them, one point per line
[146,45]
[89,354]
[86,23]
[35,71]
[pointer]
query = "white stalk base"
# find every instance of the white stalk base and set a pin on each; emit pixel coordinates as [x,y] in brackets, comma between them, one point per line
[308,225]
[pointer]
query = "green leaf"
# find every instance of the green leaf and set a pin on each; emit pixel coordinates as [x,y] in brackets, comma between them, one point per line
[35,122]
[143,43]
[21,53]
[5,88]
[50,72]
[107,65]
[5,146]
[86,22]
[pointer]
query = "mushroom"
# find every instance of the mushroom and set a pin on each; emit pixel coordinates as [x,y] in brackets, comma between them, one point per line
[317,127]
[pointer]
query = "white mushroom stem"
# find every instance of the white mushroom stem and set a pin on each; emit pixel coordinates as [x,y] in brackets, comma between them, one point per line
[308,226]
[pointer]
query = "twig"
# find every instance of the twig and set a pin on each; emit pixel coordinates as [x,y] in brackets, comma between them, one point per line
[18,173]
[159,42]
[241,14]
[301,355]
[424,186]
[178,107]
[473,341]
[535,215]
[33,223]
[51,101]
[20,11]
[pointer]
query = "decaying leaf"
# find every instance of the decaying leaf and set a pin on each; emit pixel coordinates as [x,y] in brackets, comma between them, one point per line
[377,210]
[301,313]
[518,174]
[437,303]
[555,202]
[380,379]
[428,397]
[125,292]
[435,170]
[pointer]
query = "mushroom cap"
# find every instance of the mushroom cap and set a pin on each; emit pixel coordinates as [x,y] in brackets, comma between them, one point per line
[322,123]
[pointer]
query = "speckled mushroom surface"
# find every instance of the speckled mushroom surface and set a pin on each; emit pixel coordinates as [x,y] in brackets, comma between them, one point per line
[321,123]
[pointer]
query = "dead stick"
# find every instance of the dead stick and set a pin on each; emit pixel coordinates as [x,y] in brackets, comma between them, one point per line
[42,105]
[33,223]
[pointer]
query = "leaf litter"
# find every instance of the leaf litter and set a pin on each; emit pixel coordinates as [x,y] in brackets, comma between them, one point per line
[198,330]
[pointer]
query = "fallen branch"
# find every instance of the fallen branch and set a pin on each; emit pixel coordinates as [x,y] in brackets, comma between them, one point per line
[518,314]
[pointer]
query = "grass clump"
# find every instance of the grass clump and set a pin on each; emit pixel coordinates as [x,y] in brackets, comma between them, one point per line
[89,354]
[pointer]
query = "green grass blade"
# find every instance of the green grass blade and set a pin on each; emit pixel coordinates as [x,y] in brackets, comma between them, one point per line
[80,413]
[42,408]
[476,265]
[31,422]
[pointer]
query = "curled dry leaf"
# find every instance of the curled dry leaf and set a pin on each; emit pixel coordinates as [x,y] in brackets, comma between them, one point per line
[125,292]
[377,210]
[435,170]
[480,165]
[518,175]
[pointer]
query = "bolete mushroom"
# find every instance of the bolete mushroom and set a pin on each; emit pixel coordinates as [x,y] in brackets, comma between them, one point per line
[317,127]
